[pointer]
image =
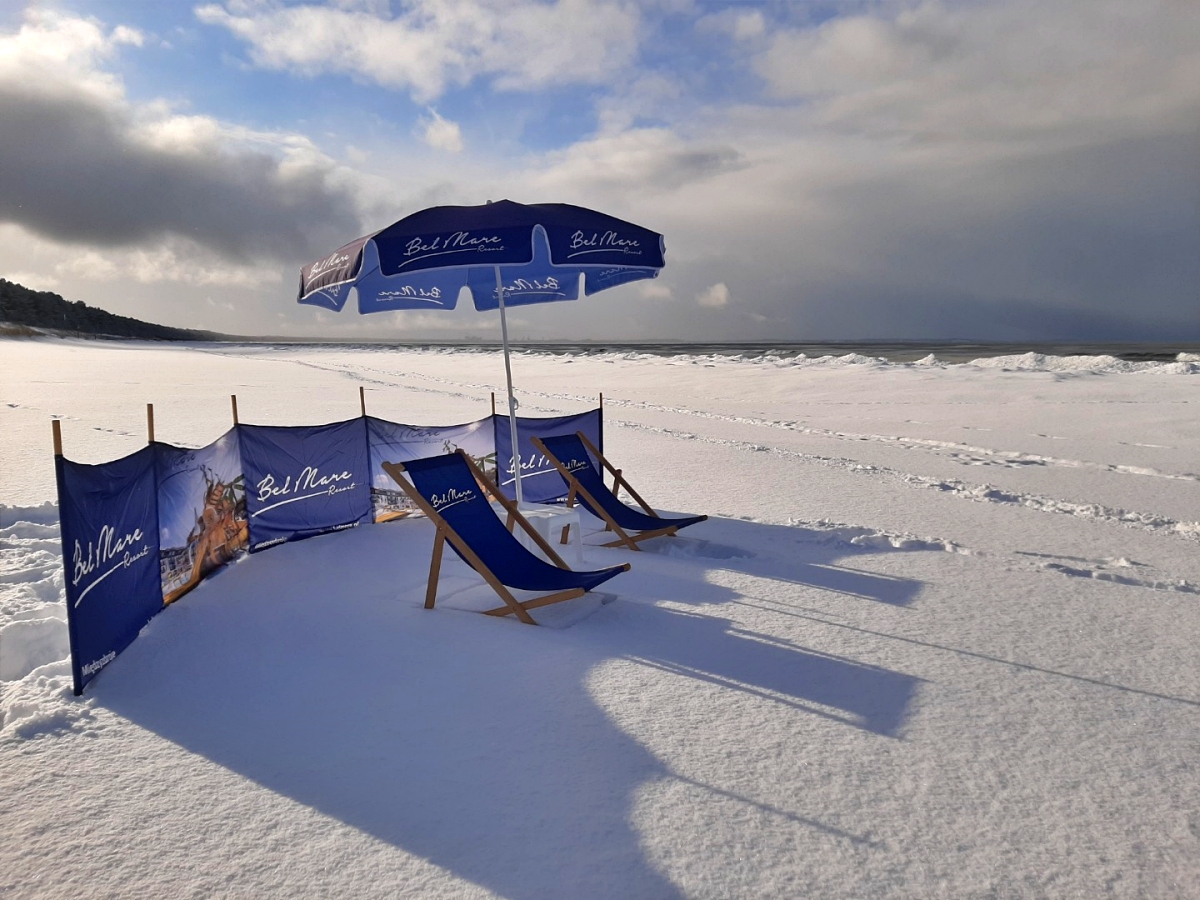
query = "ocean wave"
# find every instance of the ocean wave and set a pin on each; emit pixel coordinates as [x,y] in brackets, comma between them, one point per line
[1099,364]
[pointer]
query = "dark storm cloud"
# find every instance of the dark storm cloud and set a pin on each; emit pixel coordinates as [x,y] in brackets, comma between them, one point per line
[76,170]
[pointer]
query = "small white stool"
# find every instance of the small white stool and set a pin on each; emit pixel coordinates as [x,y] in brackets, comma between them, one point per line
[548,521]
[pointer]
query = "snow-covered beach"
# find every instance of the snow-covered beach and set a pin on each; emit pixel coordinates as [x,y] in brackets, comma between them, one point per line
[939,638]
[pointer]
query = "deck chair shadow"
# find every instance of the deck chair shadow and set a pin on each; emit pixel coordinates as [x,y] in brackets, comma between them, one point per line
[450,490]
[569,454]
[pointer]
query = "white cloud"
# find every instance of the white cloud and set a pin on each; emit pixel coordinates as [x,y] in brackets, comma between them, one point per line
[714,297]
[432,44]
[169,262]
[1011,71]
[749,25]
[123,34]
[635,161]
[655,290]
[53,54]
[645,95]
[38,281]
[442,134]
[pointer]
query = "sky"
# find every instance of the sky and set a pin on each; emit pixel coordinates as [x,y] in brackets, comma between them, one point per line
[995,170]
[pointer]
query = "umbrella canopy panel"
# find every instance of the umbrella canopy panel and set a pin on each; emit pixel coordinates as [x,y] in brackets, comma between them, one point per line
[541,251]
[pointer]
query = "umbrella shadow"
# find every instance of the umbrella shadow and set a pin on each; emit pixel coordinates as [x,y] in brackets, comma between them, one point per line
[467,741]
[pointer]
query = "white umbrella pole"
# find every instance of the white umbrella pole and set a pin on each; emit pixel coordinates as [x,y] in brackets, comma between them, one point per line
[512,403]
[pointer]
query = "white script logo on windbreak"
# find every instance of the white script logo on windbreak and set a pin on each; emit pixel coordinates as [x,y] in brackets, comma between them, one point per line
[533,465]
[309,484]
[108,553]
[452,497]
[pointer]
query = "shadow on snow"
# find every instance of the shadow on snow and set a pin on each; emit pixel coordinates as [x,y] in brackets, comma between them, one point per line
[466,740]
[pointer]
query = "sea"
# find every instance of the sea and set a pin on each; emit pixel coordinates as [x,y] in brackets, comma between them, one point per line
[893,351]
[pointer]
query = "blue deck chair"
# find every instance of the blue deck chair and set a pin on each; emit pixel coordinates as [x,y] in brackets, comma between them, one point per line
[450,490]
[569,454]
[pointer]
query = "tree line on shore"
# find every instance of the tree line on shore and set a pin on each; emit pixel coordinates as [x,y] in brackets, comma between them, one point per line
[28,309]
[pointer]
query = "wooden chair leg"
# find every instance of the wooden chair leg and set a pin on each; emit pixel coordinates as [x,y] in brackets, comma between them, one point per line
[631,541]
[570,504]
[435,567]
[571,594]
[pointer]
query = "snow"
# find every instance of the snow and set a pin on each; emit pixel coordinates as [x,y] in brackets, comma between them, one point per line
[940,638]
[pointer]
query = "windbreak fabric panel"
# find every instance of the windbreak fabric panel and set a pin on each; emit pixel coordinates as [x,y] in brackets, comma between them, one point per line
[109,524]
[202,522]
[304,481]
[392,442]
[540,481]
[448,485]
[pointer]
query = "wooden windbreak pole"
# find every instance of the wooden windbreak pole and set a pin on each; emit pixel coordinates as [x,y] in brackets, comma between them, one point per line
[150,423]
[493,403]
[362,400]
[56,427]
[602,399]
[233,401]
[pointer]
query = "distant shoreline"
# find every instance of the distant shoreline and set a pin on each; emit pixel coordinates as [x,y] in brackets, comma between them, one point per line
[892,351]
[951,351]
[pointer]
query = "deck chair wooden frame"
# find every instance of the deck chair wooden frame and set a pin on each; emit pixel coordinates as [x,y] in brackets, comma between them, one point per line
[575,489]
[445,532]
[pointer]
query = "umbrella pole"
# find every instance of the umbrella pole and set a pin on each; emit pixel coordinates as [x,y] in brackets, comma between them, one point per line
[512,403]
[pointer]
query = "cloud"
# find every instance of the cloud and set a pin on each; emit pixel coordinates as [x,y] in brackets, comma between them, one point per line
[1016,71]
[748,26]
[442,134]
[636,160]
[714,297]
[655,290]
[83,165]
[38,281]
[430,45]
[173,261]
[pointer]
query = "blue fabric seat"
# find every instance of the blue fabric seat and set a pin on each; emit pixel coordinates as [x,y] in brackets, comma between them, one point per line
[572,455]
[450,490]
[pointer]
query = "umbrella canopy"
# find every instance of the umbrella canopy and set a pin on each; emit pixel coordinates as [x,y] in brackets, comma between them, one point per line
[504,253]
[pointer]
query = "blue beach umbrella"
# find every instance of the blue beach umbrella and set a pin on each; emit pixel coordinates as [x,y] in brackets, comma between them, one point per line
[504,253]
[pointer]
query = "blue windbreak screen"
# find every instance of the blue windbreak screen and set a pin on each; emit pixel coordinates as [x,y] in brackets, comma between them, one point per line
[109,522]
[202,521]
[391,442]
[303,481]
[540,481]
